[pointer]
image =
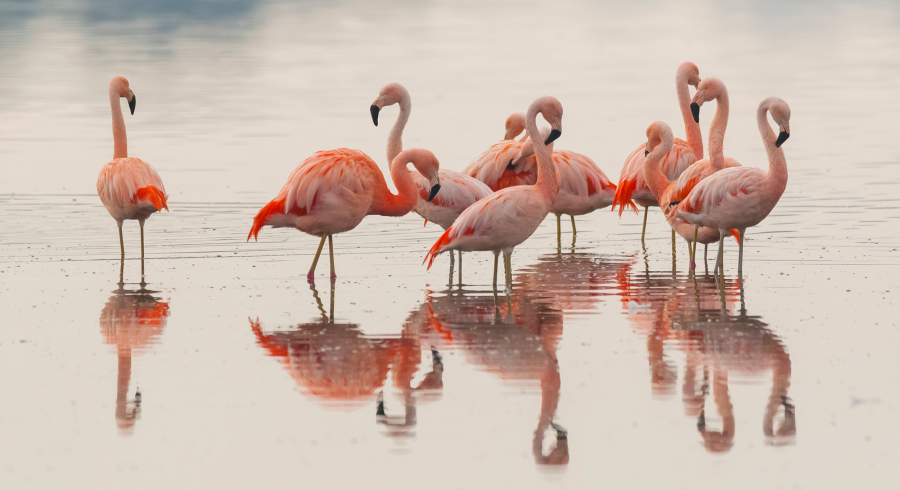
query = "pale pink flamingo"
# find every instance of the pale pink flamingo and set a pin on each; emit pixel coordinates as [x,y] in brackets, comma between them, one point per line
[509,216]
[129,187]
[632,187]
[583,187]
[741,197]
[709,89]
[332,191]
[659,143]
[458,190]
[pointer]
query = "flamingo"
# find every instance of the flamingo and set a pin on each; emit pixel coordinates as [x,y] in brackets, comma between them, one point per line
[742,197]
[632,187]
[515,125]
[584,188]
[509,216]
[458,190]
[493,168]
[332,191]
[128,187]
[659,144]
[709,89]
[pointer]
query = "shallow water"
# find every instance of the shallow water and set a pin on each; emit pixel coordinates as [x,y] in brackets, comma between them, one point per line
[395,377]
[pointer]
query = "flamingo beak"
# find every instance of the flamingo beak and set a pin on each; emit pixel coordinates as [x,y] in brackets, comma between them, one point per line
[782,137]
[374,110]
[646,152]
[434,190]
[132,103]
[554,134]
[695,111]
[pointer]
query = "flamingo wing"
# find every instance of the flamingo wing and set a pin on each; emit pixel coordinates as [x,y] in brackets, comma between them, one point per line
[679,158]
[579,175]
[127,182]
[458,190]
[724,196]
[493,166]
[343,178]
[696,172]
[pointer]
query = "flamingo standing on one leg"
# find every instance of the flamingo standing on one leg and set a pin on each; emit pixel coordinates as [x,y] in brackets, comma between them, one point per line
[506,218]
[332,191]
[659,144]
[709,89]
[129,187]
[583,189]
[458,190]
[632,186]
[741,197]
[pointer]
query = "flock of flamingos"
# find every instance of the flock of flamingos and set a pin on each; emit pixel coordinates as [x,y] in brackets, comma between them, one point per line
[502,197]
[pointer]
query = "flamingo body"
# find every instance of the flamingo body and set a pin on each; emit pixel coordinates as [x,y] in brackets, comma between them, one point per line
[130,188]
[633,187]
[458,192]
[493,166]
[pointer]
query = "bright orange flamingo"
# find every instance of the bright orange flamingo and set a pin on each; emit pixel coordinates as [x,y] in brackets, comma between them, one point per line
[506,218]
[741,197]
[129,187]
[583,187]
[131,320]
[332,191]
[659,143]
[458,190]
[632,187]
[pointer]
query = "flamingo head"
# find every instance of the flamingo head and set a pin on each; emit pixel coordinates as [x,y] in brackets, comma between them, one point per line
[709,89]
[659,139]
[515,124]
[552,111]
[689,73]
[390,94]
[426,163]
[118,86]
[781,113]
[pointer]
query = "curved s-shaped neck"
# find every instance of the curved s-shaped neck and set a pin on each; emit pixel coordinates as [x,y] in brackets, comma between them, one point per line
[778,174]
[120,140]
[691,128]
[548,177]
[395,139]
[717,131]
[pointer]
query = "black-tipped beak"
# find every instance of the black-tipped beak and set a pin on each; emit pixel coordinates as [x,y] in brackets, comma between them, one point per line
[434,190]
[782,137]
[695,111]
[132,103]
[554,134]
[374,110]
[673,204]
[646,152]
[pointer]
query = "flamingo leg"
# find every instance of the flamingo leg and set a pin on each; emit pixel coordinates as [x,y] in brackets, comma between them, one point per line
[694,249]
[460,265]
[573,224]
[644,229]
[122,260]
[451,266]
[312,270]
[741,252]
[558,232]
[142,249]
[673,240]
[496,254]
[721,255]
[507,266]
[331,256]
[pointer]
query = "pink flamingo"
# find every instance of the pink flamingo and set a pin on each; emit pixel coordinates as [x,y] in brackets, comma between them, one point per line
[659,144]
[332,191]
[741,197]
[515,125]
[509,216]
[584,188]
[458,190]
[493,167]
[632,186]
[129,187]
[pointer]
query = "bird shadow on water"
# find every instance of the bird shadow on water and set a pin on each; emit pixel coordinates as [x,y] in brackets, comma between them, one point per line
[132,320]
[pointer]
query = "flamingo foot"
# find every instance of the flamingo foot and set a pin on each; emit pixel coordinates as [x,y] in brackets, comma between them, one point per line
[311,277]
[693,266]
[333,277]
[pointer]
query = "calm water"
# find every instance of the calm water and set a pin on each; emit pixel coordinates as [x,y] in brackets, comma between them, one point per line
[604,366]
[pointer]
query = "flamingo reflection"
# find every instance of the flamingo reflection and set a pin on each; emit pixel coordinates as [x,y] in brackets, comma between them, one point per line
[709,324]
[339,367]
[131,320]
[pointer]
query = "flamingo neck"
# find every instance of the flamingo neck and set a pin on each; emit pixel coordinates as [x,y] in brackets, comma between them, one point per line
[691,128]
[717,132]
[120,140]
[656,180]
[548,176]
[778,174]
[407,194]
[395,138]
